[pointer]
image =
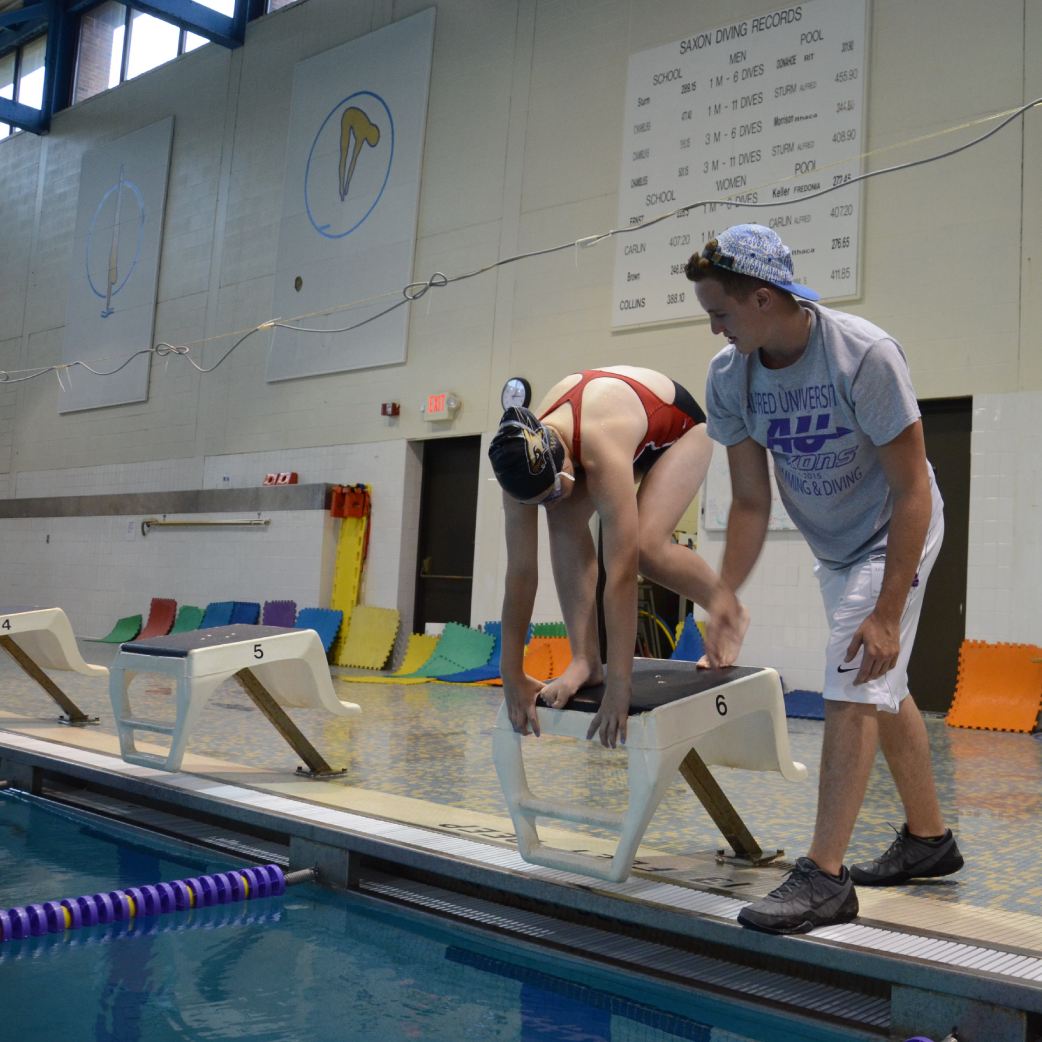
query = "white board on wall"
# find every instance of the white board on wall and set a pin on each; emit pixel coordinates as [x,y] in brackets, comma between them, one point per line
[350,199]
[716,496]
[115,268]
[766,109]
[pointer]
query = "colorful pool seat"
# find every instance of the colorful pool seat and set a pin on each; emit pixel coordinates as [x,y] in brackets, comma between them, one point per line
[39,639]
[275,666]
[681,718]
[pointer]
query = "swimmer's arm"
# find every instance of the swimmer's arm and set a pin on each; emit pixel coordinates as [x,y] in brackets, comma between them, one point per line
[746,530]
[522,581]
[905,467]
[610,481]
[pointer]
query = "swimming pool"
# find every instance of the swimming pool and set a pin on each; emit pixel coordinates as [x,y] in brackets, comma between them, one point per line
[315,964]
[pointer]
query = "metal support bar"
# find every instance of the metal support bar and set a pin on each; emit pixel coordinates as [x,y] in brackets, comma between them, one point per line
[73,713]
[24,117]
[263,700]
[249,522]
[21,15]
[721,810]
[63,37]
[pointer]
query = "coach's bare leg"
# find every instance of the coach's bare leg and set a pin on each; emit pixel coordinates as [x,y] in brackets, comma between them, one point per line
[847,753]
[906,747]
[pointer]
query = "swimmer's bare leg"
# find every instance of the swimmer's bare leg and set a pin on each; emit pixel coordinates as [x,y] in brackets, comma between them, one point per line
[664,495]
[574,561]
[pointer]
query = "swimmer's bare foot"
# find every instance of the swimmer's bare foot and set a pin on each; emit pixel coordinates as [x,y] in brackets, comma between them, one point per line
[579,674]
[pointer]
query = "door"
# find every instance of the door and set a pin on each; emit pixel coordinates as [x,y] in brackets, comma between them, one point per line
[934,666]
[448,513]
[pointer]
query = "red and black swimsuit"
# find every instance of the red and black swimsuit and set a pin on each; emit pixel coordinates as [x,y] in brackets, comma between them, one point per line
[667,421]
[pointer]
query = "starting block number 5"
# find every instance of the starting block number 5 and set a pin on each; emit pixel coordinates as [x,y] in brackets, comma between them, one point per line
[721,705]
[258,651]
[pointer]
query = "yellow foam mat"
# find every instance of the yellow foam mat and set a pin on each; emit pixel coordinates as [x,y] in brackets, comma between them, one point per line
[417,652]
[370,637]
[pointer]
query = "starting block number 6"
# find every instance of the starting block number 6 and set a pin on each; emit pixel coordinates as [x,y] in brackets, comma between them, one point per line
[721,705]
[258,651]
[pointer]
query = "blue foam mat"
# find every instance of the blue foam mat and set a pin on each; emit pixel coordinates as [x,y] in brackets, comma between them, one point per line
[805,705]
[690,646]
[324,621]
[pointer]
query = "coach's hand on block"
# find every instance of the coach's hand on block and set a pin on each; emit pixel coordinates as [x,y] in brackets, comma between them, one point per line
[725,628]
[520,694]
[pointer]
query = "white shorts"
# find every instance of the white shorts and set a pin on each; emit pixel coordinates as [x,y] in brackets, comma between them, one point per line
[850,596]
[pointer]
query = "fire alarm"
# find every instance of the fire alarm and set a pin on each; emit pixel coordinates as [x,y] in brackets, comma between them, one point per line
[390,409]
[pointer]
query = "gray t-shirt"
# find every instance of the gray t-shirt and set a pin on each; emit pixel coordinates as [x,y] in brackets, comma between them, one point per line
[821,419]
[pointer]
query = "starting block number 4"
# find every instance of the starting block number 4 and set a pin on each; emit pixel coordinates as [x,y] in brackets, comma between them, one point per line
[6,625]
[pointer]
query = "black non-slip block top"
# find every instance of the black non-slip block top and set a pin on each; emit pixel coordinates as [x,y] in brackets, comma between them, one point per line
[18,609]
[657,682]
[179,644]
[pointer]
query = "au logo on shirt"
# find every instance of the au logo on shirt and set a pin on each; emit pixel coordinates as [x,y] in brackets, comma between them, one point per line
[810,436]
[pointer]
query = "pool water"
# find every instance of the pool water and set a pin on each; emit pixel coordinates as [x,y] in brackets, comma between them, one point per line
[313,965]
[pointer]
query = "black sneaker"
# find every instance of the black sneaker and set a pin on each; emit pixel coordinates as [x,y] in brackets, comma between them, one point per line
[910,857]
[809,898]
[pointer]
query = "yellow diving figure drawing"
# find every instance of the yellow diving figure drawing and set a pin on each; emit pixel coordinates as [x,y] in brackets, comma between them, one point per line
[354,124]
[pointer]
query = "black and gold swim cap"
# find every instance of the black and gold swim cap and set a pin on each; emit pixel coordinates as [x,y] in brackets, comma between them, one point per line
[526,455]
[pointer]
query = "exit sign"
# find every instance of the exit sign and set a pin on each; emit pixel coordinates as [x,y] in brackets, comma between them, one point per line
[440,406]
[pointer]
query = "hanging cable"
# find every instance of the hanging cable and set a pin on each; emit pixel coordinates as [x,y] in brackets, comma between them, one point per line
[439,280]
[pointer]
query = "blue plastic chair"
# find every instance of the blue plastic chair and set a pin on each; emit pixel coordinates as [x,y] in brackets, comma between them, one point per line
[324,621]
[218,613]
[244,613]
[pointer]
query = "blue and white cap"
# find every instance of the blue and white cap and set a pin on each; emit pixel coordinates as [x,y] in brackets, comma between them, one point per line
[752,249]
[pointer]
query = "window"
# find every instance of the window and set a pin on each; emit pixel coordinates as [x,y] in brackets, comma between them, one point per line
[99,64]
[277,5]
[21,77]
[118,43]
[7,76]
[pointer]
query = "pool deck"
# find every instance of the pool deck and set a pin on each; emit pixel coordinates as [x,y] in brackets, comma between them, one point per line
[420,793]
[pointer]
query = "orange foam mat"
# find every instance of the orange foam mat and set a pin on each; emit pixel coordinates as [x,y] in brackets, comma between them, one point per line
[545,658]
[999,688]
[560,654]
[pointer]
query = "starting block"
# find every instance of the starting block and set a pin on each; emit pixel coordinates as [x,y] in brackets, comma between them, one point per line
[681,718]
[275,666]
[41,638]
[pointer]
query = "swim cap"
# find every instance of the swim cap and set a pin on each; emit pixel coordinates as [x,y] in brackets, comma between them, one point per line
[525,454]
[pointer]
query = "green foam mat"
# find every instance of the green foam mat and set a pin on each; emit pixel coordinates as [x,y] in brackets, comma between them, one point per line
[124,630]
[460,648]
[188,619]
[549,629]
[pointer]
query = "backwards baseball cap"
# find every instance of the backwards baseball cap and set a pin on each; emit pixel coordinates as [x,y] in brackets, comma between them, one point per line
[752,249]
[525,455]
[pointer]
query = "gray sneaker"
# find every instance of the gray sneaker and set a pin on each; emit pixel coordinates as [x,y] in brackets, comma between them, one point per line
[910,857]
[809,898]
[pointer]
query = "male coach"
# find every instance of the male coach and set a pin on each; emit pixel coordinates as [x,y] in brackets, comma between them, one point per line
[829,397]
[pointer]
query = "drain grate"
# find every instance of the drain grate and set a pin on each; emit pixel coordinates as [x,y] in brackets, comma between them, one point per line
[824,1000]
